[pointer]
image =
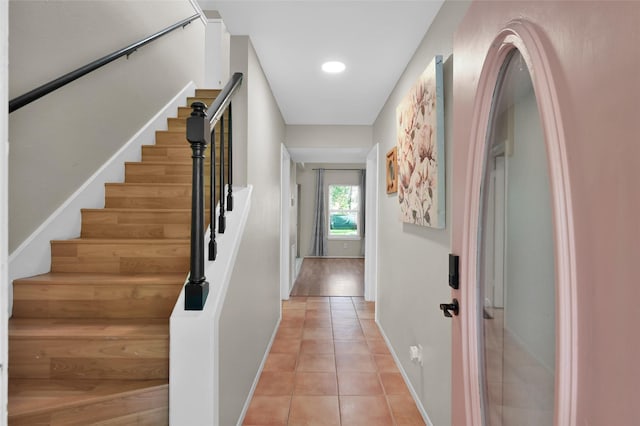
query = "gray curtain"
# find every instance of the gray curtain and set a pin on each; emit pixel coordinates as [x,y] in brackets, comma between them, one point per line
[319,233]
[363,202]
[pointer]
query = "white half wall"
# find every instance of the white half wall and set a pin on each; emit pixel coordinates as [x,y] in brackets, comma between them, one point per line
[194,361]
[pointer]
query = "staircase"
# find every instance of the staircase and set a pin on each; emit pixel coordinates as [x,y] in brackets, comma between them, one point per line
[89,341]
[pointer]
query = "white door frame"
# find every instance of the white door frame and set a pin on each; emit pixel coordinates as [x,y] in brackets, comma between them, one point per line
[4,212]
[285,222]
[371,227]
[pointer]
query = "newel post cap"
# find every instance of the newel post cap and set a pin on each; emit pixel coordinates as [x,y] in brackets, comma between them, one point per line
[198,127]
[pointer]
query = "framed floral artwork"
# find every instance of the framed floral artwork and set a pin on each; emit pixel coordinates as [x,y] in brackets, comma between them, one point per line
[420,144]
[392,171]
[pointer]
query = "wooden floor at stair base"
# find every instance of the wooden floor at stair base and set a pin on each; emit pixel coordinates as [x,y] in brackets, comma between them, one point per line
[83,402]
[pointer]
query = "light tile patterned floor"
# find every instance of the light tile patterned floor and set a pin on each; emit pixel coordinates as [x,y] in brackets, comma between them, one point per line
[329,365]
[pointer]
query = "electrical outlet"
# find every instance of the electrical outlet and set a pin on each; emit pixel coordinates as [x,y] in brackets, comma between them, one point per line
[415,354]
[344,245]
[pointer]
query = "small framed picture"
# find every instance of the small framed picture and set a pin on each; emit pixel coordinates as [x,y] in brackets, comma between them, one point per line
[392,171]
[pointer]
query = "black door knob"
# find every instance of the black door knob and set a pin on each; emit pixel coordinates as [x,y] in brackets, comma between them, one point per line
[448,308]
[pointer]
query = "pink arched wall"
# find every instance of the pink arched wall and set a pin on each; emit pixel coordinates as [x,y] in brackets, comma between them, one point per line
[585,68]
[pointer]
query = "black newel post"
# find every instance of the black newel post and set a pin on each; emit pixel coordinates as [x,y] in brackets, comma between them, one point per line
[229,166]
[222,222]
[213,245]
[198,134]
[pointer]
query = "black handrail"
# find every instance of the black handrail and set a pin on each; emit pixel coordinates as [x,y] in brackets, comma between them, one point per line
[218,106]
[49,87]
[200,133]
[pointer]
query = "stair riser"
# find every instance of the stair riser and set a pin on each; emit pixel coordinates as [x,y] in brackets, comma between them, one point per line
[162,173]
[126,231]
[94,301]
[151,196]
[208,93]
[149,408]
[207,100]
[179,124]
[120,258]
[170,153]
[178,138]
[60,358]
[132,224]
[158,224]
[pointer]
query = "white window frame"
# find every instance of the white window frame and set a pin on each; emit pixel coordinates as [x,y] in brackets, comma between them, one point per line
[356,211]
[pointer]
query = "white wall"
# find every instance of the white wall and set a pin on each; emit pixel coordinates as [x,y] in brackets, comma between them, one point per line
[216,54]
[413,260]
[67,135]
[252,306]
[307,181]
[328,136]
[4,229]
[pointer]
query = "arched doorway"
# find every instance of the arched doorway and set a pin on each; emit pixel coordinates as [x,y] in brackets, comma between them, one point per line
[517,297]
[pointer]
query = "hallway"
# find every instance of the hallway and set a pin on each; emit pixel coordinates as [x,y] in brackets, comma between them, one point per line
[329,365]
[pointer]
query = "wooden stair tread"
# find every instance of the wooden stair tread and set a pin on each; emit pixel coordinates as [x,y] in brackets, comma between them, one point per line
[122,241]
[136,210]
[161,163]
[149,185]
[71,278]
[34,396]
[94,328]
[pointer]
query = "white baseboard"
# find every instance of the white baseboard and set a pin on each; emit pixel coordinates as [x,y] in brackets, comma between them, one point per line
[33,256]
[245,408]
[413,392]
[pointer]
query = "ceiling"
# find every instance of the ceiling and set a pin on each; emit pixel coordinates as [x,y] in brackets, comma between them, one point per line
[374,38]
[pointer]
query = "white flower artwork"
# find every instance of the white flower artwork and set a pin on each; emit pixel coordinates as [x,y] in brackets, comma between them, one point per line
[420,143]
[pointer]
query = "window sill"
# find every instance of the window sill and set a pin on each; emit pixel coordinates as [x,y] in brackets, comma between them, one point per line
[344,237]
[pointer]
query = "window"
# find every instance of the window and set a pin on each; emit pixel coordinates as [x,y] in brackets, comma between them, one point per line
[344,211]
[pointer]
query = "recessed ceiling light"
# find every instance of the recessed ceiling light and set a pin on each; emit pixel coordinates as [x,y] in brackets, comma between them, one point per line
[333,67]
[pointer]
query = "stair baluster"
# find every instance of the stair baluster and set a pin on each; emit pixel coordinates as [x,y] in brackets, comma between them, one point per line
[222,222]
[213,245]
[230,163]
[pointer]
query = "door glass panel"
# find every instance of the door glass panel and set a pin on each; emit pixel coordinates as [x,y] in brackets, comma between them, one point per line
[516,307]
